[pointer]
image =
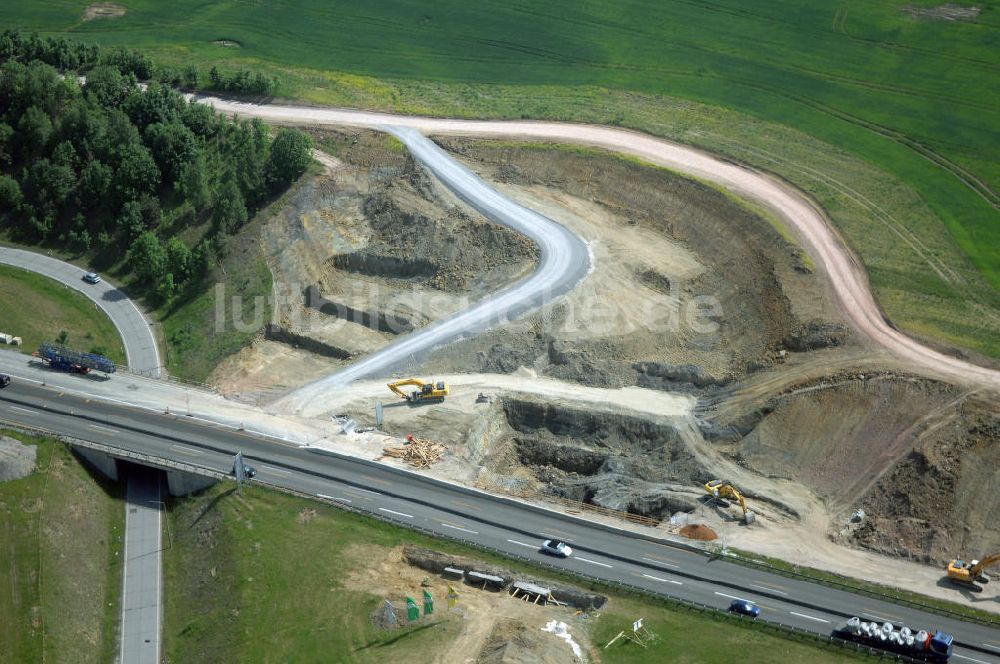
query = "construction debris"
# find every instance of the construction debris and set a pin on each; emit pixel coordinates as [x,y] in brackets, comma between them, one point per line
[418,452]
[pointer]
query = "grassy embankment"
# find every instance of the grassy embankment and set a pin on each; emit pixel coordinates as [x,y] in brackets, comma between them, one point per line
[37,309]
[883,117]
[60,560]
[253,577]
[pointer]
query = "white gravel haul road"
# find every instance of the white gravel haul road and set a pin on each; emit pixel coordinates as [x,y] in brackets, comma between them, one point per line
[847,277]
[565,260]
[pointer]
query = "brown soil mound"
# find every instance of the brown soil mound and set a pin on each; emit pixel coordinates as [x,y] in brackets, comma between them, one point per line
[103,10]
[698,531]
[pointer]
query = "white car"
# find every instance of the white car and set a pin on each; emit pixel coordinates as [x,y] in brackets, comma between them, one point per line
[92,278]
[556,548]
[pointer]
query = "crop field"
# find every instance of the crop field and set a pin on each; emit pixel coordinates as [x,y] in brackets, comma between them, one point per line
[888,88]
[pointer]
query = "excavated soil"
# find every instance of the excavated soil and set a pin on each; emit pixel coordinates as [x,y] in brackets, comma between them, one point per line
[922,458]
[485,626]
[690,289]
[698,532]
[367,250]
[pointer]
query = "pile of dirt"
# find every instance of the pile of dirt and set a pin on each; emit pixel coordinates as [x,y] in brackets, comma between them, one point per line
[698,531]
[513,642]
[17,460]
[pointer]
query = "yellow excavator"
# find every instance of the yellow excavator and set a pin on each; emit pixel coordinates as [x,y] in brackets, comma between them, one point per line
[969,573]
[720,489]
[427,392]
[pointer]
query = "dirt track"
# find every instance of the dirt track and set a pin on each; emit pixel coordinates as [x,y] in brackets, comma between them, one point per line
[847,276]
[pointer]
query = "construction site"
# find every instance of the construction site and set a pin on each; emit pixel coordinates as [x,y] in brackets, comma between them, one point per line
[701,380]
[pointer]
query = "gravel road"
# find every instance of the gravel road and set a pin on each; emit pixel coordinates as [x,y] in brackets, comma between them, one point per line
[847,276]
[564,261]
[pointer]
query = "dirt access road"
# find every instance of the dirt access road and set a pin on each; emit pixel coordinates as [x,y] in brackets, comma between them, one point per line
[565,260]
[847,276]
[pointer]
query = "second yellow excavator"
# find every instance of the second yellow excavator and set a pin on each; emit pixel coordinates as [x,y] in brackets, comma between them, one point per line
[428,392]
[969,573]
[720,489]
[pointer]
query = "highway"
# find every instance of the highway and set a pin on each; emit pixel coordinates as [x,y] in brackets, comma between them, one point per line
[455,512]
[141,351]
[564,261]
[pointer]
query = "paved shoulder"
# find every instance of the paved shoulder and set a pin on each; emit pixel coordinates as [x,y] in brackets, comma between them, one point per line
[140,344]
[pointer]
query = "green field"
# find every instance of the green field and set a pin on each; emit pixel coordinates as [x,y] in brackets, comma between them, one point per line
[261,577]
[54,308]
[888,119]
[60,548]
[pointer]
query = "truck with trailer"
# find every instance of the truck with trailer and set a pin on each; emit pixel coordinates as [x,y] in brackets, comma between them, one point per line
[73,361]
[916,644]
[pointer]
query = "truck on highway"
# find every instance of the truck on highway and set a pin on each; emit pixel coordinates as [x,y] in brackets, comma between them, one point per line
[918,644]
[73,361]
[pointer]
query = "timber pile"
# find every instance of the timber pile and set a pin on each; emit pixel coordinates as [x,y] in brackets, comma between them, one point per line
[418,452]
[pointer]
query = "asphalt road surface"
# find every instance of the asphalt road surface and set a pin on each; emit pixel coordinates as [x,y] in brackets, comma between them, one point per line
[565,261]
[450,511]
[142,582]
[141,352]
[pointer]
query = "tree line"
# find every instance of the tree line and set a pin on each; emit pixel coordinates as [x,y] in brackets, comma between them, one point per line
[103,164]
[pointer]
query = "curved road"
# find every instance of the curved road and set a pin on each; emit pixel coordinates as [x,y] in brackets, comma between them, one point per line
[565,260]
[141,351]
[846,274]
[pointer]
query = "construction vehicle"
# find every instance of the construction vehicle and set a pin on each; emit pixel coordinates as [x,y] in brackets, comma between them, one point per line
[428,392]
[73,361]
[971,573]
[721,489]
[919,644]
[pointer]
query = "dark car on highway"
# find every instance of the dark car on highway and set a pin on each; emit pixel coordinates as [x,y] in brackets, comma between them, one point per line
[4,380]
[744,607]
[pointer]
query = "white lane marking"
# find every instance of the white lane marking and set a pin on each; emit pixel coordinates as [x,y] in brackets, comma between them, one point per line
[656,578]
[24,410]
[464,530]
[337,498]
[992,647]
[729,596]
[276,471]
[382,509]
[592,562]
[660,562]
[100,428]
[971,659]
[186,450]
[374,493]
[530,546]
[802,615]
[770,590]
[875,617]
